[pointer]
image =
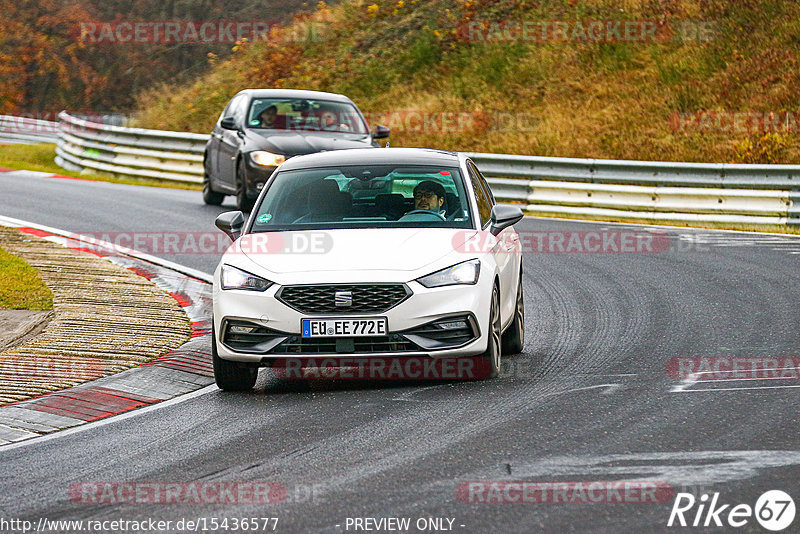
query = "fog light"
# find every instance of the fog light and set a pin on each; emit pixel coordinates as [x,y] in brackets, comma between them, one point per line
[240,329]
[452,325]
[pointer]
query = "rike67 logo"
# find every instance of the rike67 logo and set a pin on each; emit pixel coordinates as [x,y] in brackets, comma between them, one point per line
[774,510]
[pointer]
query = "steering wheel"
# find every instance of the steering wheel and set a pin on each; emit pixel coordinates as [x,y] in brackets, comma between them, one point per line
[424,212]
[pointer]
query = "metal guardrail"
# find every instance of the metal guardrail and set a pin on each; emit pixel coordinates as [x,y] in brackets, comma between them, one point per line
[699,193]
[136,152]
[26,130]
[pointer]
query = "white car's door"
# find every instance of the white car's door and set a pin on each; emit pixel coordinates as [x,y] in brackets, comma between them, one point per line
[503,251]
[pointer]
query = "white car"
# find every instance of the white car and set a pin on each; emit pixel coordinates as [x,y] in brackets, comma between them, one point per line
[370,255]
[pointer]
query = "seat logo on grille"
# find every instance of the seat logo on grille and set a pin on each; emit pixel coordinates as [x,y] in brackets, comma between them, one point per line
[343,298]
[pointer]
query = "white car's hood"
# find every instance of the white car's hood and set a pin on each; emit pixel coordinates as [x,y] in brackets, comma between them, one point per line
[396,249]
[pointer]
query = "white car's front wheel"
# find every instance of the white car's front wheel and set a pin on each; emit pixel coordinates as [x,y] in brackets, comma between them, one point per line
[514,336]
[232,376]
[492,355]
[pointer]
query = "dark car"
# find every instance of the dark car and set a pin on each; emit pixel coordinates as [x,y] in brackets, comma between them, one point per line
[261,128]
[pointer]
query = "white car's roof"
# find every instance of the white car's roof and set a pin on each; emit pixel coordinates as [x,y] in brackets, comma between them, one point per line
[373,156]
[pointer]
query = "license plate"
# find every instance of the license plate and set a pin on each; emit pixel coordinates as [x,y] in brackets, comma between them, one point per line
[372,326]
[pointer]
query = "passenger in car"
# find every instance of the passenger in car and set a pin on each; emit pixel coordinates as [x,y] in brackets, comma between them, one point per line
[329,122]
[326,203]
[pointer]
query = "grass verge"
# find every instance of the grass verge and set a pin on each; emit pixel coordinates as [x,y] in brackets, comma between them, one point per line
[21,287]
[672,97]
[40,158]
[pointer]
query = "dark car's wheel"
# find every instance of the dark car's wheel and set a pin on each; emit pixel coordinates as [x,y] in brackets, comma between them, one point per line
[211,197]
[514,336]
[242,201]
[491,358]
[232,376]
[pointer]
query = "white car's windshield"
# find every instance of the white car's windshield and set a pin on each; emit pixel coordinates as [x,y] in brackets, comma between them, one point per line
[364,196]
[305,115]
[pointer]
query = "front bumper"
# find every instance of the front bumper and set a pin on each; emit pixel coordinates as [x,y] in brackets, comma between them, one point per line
[255,177]
[412,325]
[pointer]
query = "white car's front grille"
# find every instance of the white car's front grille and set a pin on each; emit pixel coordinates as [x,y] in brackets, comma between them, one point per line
[343,298]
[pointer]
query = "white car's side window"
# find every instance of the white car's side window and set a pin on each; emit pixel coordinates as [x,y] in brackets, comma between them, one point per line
[484,201]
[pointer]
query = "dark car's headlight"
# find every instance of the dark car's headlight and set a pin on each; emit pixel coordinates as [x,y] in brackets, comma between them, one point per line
[233,278]
[266,159]
[461,273]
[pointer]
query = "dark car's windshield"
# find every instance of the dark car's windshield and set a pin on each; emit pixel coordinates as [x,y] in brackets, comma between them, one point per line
[305,115]
[365,196]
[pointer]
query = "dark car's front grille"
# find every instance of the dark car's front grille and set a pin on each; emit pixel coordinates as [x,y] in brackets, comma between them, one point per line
[364,298]
[353,345]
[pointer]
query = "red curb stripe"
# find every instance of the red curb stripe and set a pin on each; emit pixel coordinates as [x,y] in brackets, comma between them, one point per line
[195,356]
[183,357]
[127,395]
[112,403]
[187,361]
[90,251]
[69,408]
[191,370]
[142,273]
[34,231]
[183,300]
[42,233]
[64,412]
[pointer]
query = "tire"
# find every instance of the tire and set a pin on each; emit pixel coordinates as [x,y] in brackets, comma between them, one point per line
[242,201]
[211,197]
[232,376]
[491,358]
[514,336]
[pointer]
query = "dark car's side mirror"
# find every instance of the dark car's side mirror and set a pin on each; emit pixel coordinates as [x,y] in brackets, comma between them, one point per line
[381,132]
[231,222]
[504,216]
[228,123]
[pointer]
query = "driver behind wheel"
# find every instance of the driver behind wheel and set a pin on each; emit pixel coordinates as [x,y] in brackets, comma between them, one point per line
[430,195]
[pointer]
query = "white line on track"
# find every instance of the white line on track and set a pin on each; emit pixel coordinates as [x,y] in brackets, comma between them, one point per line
[732,389]
[113,419]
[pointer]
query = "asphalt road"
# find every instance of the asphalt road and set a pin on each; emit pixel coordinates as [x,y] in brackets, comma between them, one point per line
[591,398]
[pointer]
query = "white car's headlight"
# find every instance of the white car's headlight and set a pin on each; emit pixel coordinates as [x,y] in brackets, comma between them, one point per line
[462,273]
[267,159]
[233,278]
